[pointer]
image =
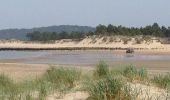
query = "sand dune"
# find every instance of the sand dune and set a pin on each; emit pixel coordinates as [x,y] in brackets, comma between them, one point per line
[90,42]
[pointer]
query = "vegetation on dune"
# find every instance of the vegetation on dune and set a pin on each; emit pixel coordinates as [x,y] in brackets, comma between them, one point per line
[107,88]
[152,30]
[103,83]
[102,30]
[132,73]
[8,89]
[162,80]
[62,77]
[55,79]
[102,69]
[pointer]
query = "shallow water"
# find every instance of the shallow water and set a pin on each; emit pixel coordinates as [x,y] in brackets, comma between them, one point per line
[76,57]
[20,54]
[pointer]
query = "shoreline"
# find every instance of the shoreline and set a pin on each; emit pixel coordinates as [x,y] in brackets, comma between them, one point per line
[116,50]
[71,48]
[103,43]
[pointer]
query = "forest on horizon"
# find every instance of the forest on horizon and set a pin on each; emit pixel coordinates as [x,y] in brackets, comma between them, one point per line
[102,30]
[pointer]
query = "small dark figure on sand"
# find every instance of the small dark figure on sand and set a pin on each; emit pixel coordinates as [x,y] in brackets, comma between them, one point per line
[130,50]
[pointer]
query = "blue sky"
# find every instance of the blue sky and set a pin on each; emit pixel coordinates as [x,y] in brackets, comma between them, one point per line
[35,13]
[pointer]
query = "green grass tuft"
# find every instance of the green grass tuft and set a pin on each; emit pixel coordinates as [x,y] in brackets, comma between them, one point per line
[162,80]
[143,74]
[102,69]
[106,88]
[62,77]
[132,73]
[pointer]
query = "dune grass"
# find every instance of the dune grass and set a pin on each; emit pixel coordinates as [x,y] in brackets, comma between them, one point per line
[62,78]
[162,80]
[112,84]
[55,79]
[107,88]
[102,70]
[132,73]
[103,83]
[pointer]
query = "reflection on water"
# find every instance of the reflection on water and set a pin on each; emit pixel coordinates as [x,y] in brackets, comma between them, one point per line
[75,57]
[129,55]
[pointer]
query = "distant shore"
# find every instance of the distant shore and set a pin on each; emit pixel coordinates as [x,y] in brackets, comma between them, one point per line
[118,50]
[104,43]
[69,48]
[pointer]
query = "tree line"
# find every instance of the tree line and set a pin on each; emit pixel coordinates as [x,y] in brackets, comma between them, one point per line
[102,30]
[47,36]
[152,30]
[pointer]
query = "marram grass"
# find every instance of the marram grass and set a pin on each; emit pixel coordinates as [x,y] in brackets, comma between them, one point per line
[103,84]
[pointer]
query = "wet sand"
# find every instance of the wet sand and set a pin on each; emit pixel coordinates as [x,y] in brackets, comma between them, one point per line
[20,69]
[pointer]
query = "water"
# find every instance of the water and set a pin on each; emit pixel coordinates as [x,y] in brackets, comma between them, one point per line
[20,54]
[76,57]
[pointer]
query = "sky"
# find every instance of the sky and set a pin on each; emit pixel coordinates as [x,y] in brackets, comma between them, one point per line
[39,13]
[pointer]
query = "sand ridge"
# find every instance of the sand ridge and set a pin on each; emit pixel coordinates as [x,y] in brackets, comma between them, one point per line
[90,42]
